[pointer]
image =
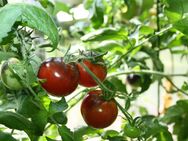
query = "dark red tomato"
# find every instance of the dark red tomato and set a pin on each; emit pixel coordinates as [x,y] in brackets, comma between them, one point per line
[97,112]
[60,79]
[134,80]
[86,79]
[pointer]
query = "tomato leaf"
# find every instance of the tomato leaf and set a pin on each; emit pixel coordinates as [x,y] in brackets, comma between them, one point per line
[105,34]
[80,132]
[182,25]
[14,121]
[97,13]
[152,128]
[146,30]
[31,108]
[6,55]
[110,46]
[60,6]
[66,134]
[109,133]
[58,117]
[32,16]
[118,84]
[6,137]
[59,106]
[48,139]
[174,10]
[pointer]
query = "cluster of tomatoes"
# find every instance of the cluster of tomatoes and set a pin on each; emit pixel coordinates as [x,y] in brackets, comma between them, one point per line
[61,79]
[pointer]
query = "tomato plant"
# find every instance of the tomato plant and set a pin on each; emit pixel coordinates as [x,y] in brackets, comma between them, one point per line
[97,112]
[9,77]
[60,79]
[96,50]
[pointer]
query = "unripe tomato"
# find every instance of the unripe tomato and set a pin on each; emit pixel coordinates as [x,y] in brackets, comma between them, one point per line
[9,77]
[60,79]
[131,131]
[86,79]
[97,112]
[134,80]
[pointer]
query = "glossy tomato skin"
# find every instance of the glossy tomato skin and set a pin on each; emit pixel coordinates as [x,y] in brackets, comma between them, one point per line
[9,77]
[86,79]
[97,112]
[60,79]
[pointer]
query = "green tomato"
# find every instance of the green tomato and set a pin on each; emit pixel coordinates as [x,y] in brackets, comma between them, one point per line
[8,76]
[132,131]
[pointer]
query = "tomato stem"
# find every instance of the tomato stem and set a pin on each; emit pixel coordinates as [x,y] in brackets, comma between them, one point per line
[76,97]
[149,72]
[126,114]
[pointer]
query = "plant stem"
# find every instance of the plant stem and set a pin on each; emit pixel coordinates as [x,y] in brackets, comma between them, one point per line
[139,44]
[77,100]
[158,98]
[158,47]
[176,86]
[126,114]
[148,72]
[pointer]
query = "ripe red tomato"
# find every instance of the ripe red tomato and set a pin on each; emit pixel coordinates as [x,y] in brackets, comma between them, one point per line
[86,79]
[60,79]
[97,112]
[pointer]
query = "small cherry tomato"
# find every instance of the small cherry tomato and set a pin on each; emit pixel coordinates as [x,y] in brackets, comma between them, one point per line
[132,131]
[86,79]
[134,80]
[9,77]
[97,112]
[60,79]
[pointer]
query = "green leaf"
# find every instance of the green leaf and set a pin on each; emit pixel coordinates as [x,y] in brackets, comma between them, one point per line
[152,128]
[80,132]
[109,133]
[58,117]
[146,30]
[32,16]
[15,121]
[59,106]
[143,110]
[173,113]
[118,84]
[48,139]
[31,108]
[97,14]
[110,46]
[6,55]
[6,137]
[105,34]
[182,25]
[66,134]
[180,7]
[164,136]
[60,6]
[39,121]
